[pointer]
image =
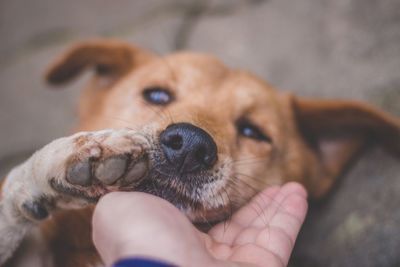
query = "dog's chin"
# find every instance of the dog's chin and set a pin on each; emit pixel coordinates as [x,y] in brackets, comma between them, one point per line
[172,194]
[183,193]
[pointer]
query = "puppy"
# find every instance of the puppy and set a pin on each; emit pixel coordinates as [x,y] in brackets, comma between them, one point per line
[184,127]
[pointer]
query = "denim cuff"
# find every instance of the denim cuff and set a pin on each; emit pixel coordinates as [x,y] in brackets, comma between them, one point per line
[141,262]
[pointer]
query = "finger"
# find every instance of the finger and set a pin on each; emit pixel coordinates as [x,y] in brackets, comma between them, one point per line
[280,235]
[261,225]
[288,205]
[276,205]
[256,256]
[252,210]
[226,232]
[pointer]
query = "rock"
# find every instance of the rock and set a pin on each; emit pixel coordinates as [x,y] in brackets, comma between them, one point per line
[358,224]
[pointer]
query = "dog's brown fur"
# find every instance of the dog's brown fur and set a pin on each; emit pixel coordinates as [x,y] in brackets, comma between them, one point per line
[313,141]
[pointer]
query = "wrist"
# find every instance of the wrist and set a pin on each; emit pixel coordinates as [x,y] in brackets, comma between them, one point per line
[142,262]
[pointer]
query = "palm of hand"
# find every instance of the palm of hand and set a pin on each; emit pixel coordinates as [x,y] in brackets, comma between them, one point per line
[263,232]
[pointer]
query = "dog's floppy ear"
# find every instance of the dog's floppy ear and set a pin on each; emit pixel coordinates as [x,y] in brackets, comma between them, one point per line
[337,131]
[109,58]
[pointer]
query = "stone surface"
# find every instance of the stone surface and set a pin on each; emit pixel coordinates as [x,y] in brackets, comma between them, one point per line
[358,224]
[341,48]
[321,48]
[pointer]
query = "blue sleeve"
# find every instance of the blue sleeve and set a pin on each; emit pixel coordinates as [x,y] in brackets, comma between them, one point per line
[141,262]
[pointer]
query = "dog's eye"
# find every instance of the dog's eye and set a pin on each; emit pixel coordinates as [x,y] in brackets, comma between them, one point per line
[247,129]
[157,95]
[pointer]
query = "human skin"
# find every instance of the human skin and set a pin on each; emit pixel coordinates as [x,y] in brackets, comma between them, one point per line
[262,233]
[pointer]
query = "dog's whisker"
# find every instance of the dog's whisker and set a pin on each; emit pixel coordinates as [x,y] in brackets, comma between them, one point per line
[230,203]
[239,182]
[249,158]
[278,204]
[243,162]
[249,163]
[205,220]
[171,119]
[228,219]
[157,112]
[154,187]
[250,176]
[171,71]
[258,210]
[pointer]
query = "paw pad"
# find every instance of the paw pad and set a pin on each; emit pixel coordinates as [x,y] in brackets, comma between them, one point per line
[35,210]
[80,173]
[111,169]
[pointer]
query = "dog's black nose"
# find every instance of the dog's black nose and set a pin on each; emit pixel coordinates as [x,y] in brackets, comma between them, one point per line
[188,148]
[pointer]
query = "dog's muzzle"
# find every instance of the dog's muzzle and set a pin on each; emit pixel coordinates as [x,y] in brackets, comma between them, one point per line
[188,148]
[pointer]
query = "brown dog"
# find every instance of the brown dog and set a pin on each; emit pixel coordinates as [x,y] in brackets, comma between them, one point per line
[183,127]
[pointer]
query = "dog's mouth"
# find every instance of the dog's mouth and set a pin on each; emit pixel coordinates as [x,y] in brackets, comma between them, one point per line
[195,194]
[174,195]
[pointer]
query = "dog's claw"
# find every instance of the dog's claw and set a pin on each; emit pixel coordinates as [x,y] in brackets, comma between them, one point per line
[80,173]
[111,169]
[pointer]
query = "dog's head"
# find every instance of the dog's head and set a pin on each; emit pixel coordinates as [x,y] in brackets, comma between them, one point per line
[218,135]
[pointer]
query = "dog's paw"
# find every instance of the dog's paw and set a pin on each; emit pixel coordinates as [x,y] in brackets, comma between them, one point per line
[102,162]
[77,170]
[70,172]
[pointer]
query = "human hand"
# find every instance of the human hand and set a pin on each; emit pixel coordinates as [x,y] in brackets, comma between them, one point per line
[262,233]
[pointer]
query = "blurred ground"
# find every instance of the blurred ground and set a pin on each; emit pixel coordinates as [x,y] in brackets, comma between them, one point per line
[337,48]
